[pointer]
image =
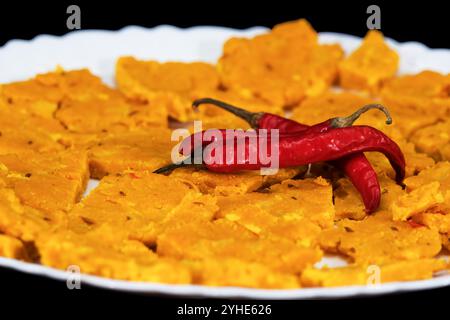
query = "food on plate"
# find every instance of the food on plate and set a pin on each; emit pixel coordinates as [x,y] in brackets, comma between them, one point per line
[355,166]
[112,113]
[378,239]
[46,181]
[166,86]
[145,149]
[434,140]
[118,258]
[291,62]
[158,219]
[11,247]
[417,100]
[419,200]
[229,184]
[23,222]
[348,202]
[140,203]
[289,204]
[239,273]
[370,65]
[432,208]
[226,239]
[371,274]
[36,133]
[43,93]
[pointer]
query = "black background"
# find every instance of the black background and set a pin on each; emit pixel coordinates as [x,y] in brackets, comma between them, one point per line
[423,21]
[426,22]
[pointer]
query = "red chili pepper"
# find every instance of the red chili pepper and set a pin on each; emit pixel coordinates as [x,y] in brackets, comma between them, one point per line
[356,167]
[296,150]
[363,177]
[299,149]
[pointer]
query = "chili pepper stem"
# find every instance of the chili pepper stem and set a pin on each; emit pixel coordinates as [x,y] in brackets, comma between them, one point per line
[341,122]
[251,117]
[169,167]
[173,166]
[188,161]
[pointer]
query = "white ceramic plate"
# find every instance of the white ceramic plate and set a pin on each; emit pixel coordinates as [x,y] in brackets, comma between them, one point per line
[98,51]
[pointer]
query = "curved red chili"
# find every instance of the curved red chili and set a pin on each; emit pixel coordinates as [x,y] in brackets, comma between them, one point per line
[303,149]
[364,178]
[356,167]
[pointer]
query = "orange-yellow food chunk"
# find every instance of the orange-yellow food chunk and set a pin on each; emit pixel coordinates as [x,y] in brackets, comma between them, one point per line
[439,172]
[434,218]
[11,247]
[20,131]
[415,161]
[167,85]
[432,186]
[419,200]
[282,206]
[43,92]
[46,181]
[111,113]
[434,140]
[427,90]
[369,65]
[238,273]
[120,258]
[80,101]
[372,274]
[332,104]
[281,67]
[24,222]
[20,113]
[224,239]
[140,203]
[228,184]
[147,149]
[270,226]
[377,239]
[417,100]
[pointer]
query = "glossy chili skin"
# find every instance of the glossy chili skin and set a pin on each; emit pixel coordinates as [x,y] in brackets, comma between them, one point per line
[306,148]
[363,177]
[302,149]
[205,137]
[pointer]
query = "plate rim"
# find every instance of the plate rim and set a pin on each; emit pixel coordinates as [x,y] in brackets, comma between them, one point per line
[190,290]
[230,292]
